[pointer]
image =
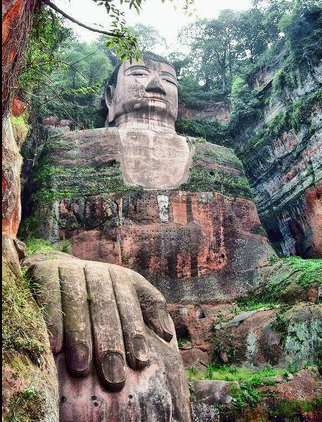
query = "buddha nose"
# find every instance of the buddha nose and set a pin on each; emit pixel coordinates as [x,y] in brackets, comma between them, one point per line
[155,85]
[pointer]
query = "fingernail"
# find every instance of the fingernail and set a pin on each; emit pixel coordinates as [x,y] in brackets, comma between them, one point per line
[140,352]
[166,324]
[113,369]
[78,359]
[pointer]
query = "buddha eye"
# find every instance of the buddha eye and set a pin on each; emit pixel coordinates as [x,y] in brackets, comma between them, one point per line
[138,74]
[170,81]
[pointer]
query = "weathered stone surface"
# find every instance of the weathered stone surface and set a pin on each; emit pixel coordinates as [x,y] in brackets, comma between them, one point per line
[272,337]
[281,174]
[303,342]
[257,338]
[195,236]
[187,244]
[188,241]
[15,14]
[313,208]
[154,159]
[155,393]
[293,396]
[11,166]
[194,325]
[211,392]
[285,172]
[29,374]
[137,372]
[215,110]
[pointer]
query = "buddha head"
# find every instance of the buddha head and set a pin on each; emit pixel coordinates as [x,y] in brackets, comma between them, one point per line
[143,92]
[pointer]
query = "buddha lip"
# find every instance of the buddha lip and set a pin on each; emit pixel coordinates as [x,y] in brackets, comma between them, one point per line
[154,96]
[157,99]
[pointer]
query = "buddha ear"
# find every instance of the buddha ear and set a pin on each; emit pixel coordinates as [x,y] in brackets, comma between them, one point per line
[109,93]
[109,96]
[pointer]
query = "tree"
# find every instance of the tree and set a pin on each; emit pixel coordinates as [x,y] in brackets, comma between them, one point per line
[213,48]
[180,62]
[46,37]
[251,34]
[305,35]
[119,37]
[148,37]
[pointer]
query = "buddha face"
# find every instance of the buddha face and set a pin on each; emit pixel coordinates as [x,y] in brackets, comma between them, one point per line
[145,91]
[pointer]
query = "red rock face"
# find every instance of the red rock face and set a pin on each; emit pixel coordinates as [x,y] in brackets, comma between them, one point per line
[283,176]
[15,14]
[10,200]
[219,111]
[11,165]
[313,202]
[192,246]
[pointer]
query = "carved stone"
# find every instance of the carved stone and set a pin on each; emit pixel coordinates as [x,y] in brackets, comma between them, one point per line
[113,340]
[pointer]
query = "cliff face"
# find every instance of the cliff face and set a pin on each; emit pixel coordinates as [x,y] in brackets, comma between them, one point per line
[200,242]
[282,158]
[15,14]
[215,110]
[29,376]
[280,145]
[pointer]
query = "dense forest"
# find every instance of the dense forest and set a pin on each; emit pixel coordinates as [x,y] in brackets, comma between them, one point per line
[61,72]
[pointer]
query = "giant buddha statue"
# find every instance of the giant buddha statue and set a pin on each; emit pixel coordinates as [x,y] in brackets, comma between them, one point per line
[176,209]
[112,337]
[142,101]
[137,196]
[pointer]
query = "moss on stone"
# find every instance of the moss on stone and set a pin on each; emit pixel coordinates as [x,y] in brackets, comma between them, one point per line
[21,318]
[206,174]
[20,128]
[30,384]
[56,183]
[202,179]
[287,281]
[292,410]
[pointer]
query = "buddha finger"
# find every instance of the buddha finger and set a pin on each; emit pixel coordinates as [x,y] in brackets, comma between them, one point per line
[46,288]
[106,325]
[131,318]
[77,326]
[153,306]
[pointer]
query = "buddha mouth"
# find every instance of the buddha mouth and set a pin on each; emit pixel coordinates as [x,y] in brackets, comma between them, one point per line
[156,97]
[157,102]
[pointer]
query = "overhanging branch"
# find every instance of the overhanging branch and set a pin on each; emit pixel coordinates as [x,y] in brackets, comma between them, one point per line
[61,12]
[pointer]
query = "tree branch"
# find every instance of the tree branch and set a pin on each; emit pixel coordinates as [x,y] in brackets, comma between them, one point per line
[54,7]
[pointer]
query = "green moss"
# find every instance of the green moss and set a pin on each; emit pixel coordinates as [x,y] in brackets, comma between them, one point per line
[257,377]
[214,154]
[20,128]
[310,270]
[203,178]
[30,386]
[26,405]
[296,114]
[291,410]
[213,131]
[223,340]
[34,245]
[287,281]
[22,318]
[288,76]
[57,183]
